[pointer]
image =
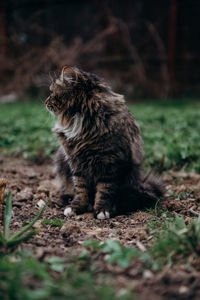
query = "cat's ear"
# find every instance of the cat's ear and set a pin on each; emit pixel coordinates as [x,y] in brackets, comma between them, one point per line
[69,73]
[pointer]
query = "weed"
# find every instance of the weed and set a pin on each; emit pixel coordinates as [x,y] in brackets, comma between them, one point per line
[187,193]
[116,252]
[54,223]
[7,242]
[174,242]
[23,277]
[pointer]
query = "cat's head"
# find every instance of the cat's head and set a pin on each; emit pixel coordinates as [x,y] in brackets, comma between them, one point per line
[72,90]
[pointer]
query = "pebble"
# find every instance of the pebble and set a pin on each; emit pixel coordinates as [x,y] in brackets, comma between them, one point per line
[45,187]
[40,203]
[25,194]
[147,274]
[183,289]
[37,224]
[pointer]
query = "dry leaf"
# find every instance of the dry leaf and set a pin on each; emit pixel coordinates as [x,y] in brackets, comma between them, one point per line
[3,183]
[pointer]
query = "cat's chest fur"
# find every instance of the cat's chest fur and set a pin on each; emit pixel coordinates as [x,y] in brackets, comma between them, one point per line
[70,131]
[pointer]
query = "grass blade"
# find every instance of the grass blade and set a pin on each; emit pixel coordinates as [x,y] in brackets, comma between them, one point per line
[2,241]
[27,227]
[8,215]
[21,239]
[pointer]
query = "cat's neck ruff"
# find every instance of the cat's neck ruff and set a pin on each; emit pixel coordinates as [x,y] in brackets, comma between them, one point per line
[73,129]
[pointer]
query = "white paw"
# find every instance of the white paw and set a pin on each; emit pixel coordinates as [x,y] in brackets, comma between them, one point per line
[68,212]
[103,216]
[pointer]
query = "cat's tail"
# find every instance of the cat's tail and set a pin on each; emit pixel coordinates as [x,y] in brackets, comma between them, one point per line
[152,190]
[145,193]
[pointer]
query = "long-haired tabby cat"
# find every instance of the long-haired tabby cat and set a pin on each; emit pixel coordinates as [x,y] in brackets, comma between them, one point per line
[101,149]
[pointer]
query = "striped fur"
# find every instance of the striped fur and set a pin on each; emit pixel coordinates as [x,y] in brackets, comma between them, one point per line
[101,147]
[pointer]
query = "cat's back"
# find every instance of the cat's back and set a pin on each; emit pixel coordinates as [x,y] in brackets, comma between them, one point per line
[127,131]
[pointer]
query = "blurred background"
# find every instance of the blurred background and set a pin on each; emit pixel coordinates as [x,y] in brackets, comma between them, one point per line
[145,49]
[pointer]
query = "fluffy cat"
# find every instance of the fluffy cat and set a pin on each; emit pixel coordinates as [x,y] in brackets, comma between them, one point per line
[99,160]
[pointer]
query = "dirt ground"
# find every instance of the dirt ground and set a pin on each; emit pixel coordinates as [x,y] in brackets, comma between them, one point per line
[29,183]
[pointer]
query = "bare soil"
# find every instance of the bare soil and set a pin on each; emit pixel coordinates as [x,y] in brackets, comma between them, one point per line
[29,183]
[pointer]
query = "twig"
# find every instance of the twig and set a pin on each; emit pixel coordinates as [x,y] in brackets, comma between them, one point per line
[141,246]
[193,211]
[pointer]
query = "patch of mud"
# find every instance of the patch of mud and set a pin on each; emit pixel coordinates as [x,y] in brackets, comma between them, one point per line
[183,193]
[30,183]
[171,284]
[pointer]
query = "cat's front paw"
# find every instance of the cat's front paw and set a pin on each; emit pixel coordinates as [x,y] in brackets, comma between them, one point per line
[102,215]
[68,212]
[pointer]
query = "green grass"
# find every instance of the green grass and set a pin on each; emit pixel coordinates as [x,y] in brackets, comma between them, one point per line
[86,276]
[53,223]
[176,243]
[170,130]
[23,277]
[26,130]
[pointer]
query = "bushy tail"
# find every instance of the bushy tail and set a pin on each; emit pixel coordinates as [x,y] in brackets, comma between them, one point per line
[145,193]
[153,190]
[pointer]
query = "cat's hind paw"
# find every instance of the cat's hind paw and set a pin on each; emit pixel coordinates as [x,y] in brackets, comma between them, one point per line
[68,212]
[102,215]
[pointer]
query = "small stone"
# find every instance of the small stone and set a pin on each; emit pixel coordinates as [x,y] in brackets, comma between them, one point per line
[32,175]
[45,187]
[37,224]
[183,289]
[69,229]
[16,224]
[40,242]
[25,194]
[40,203]
[147,274]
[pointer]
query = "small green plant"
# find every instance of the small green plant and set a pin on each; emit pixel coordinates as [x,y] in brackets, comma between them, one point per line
[117,253]
[54,223]
[184,195]
[176,240]
[7,241]
[24,277]
[56,263]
